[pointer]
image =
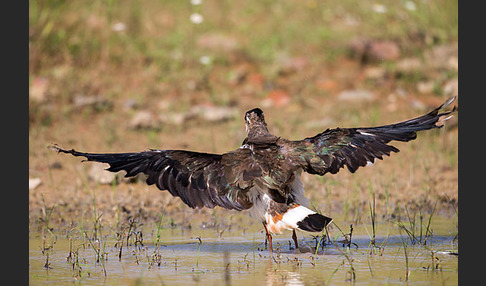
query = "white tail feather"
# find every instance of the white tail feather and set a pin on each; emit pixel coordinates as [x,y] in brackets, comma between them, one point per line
[289,219]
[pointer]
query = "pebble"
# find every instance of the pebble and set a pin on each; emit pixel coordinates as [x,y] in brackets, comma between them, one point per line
[356,95]
[98,173]
[34,183]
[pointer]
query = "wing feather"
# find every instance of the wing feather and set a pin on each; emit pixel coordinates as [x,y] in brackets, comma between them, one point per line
[333,149]
[199,179]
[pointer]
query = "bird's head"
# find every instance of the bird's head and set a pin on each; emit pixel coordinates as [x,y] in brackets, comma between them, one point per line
[254,119]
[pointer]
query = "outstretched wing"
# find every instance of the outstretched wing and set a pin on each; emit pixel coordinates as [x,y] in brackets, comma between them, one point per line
[333,149]
[197,178]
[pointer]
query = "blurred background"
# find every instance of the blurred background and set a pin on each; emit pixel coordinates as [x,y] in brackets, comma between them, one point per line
[124,76]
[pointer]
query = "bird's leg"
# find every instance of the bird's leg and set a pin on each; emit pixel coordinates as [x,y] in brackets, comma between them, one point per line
[266,237]
[269,238]
[294,237]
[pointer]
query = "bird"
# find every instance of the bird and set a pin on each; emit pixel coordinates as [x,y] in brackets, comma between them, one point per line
[263,175]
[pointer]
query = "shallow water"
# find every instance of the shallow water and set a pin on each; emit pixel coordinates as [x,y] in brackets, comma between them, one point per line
[239,258]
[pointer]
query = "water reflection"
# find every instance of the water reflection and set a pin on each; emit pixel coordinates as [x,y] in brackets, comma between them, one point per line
[274,275]
[236,261]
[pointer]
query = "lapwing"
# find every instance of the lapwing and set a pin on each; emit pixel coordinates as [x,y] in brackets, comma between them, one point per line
[263,175]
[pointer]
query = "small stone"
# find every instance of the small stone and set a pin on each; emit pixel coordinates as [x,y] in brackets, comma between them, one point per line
[409,65]
[38,89]
[375,72]
[100,175]
[175,118]
[451,87]
[130,104]
[96,102]
[443,56]
[144,119]
[383,51]
[425,86]
[356,95]
[34,183]
[371,50]
[212,113]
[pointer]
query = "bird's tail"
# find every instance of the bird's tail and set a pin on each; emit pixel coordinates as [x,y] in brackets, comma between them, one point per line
[314,222]
[302,218]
